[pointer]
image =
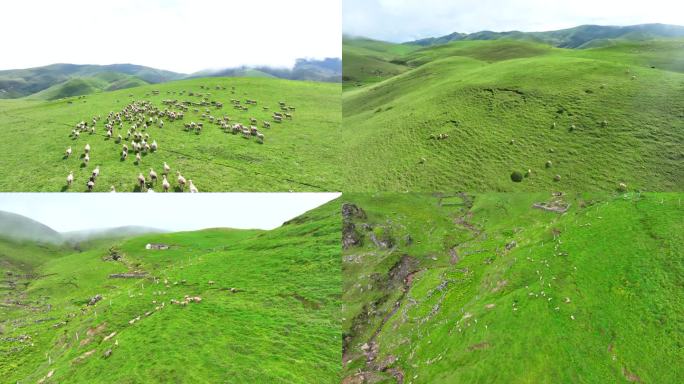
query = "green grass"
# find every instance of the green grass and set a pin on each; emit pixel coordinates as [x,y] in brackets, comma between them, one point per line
[280,326]
[498,314]
[299,154]
[498,102]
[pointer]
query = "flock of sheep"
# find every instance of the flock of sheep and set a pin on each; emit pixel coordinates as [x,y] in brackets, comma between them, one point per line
[141,117]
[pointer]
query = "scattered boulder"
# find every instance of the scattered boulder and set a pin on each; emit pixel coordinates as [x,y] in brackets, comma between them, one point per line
[95,299]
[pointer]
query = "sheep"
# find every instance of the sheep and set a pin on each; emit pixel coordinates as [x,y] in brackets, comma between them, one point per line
[622,187]
[112,189]
[70,178]
[68,152]
[91,184]
[288,116]
[87,148]
[165,184]
[166,168]
[153,147]
[260,137]
[141,181]
[153,176]
[252,120]
[86,159]
[548,164]
[181,180]
[119,138]
[138,158]
[192,187]
[267,124]
[96,172]
[278,119]
[124,154]
[109,134]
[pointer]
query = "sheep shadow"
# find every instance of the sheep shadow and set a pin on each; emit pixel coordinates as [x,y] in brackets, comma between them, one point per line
[137,189]
[65,157]
[82,156]
[177,189]
[83,165]
[64,188]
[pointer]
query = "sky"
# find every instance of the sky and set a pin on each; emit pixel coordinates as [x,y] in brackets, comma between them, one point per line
[66,212]
[407,20]
[178,35]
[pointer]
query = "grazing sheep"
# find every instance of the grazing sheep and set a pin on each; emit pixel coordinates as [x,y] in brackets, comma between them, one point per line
[260,138]
[557,178]
[181,180]
[153,176]
[192,187]
[124,154]
[138,158]
[109,134]
[68,152]
[91,184]
[96,172]
[278,119]
[548,164]
[141,181]
[112,189]
[86,159]
[166,168]
[70,178]
[165,184]
[153,147]
[118,139]
[87,148]
[622,187]
[267,124]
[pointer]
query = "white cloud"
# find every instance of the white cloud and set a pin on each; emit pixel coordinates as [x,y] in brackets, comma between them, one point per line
[65,212]
[404,20]
[179,35]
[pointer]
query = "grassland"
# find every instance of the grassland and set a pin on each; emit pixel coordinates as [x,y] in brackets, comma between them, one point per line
[299,154]
[600,116]
[269,310]
[485,288]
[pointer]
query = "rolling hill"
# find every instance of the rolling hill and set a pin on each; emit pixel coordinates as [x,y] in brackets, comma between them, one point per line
[469,114]
[328,70]
[577,37]
[18,83]
[262,302]
[19,228]
[513,288]
[297,154]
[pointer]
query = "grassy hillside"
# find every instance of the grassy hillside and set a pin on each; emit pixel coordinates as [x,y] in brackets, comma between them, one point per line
[298,154]
[16,83]
[368,61]
[486,288]
[107,81]
[269,310]
[19,227]
[468,114]
[576,37]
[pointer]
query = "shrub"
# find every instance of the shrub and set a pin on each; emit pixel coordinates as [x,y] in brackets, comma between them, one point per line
[517,176]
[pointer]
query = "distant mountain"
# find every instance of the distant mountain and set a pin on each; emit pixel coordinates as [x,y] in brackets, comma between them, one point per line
[18,227]
[328,70]
[577,37]
[109,233]
[16,83]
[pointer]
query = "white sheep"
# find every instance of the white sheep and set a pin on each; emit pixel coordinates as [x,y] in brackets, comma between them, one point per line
[181,180]
[96,172]
[68,152]
[153,147]
[86,159]
[70,178]
[192,187]
[166,168]
[153,176]
[141,181]
[138,158]
[87,148]
[165,184]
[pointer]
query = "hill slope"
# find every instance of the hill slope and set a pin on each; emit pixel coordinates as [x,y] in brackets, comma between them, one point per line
[489,289]
[18,227]
[467,114]
[300,153]
[23,82]
[269,302]
[577,37]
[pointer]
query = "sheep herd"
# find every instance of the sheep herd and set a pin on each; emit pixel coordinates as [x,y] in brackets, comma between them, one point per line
[131,128]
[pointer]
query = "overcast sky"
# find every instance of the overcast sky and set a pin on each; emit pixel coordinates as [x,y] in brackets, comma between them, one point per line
[65,212]
[406,20]
[177,35]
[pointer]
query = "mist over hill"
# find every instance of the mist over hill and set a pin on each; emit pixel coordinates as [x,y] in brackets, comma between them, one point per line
[57,81]
[577,37]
